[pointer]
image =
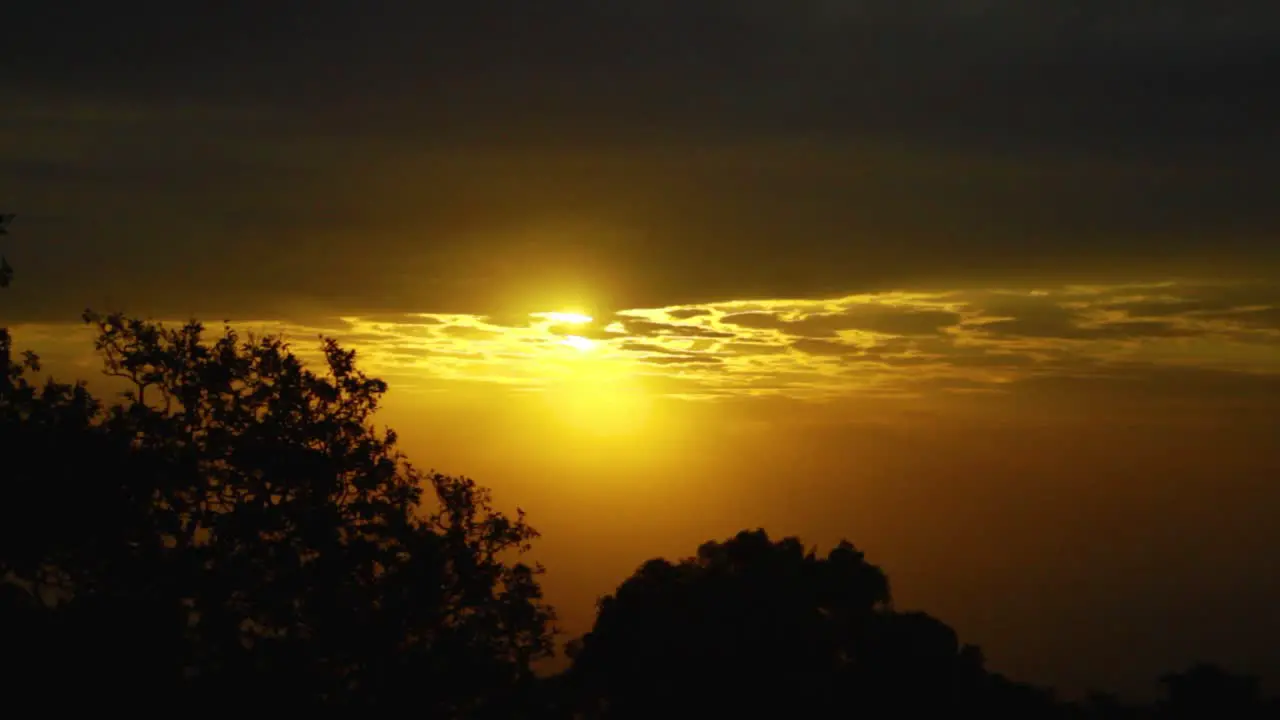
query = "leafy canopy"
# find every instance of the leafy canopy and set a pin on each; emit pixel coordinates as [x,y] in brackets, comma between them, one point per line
[246,515]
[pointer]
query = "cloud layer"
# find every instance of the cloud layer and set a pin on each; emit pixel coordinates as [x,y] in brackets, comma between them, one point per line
[1154,341]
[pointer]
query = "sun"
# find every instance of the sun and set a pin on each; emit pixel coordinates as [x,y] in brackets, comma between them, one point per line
[579,343]
[565,318]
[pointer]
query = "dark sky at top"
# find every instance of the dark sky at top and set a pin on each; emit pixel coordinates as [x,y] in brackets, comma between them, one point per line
[469,155]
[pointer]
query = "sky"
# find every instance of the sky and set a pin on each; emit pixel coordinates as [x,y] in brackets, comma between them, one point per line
[987,287]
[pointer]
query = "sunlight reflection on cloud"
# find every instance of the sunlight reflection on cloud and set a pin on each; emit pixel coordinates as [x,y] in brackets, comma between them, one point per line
[888,344]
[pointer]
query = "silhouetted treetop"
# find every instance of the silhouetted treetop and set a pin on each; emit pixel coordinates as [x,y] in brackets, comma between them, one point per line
[1206,690]
[244,515]
[750,625]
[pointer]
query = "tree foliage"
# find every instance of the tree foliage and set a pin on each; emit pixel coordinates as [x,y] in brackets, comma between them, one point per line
[1206,690]
[751,625]
[242,517]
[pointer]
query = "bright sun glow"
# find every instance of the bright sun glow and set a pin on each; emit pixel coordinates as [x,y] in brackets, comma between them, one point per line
[568,318]
[598,399]
[580,344]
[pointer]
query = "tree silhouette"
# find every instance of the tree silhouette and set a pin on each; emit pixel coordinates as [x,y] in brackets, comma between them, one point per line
[760,628]
[756,626]
[1209,691]
[1107,706]
[236,529]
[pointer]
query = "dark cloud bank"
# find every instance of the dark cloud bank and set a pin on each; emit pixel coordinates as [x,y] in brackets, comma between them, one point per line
[478,156]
